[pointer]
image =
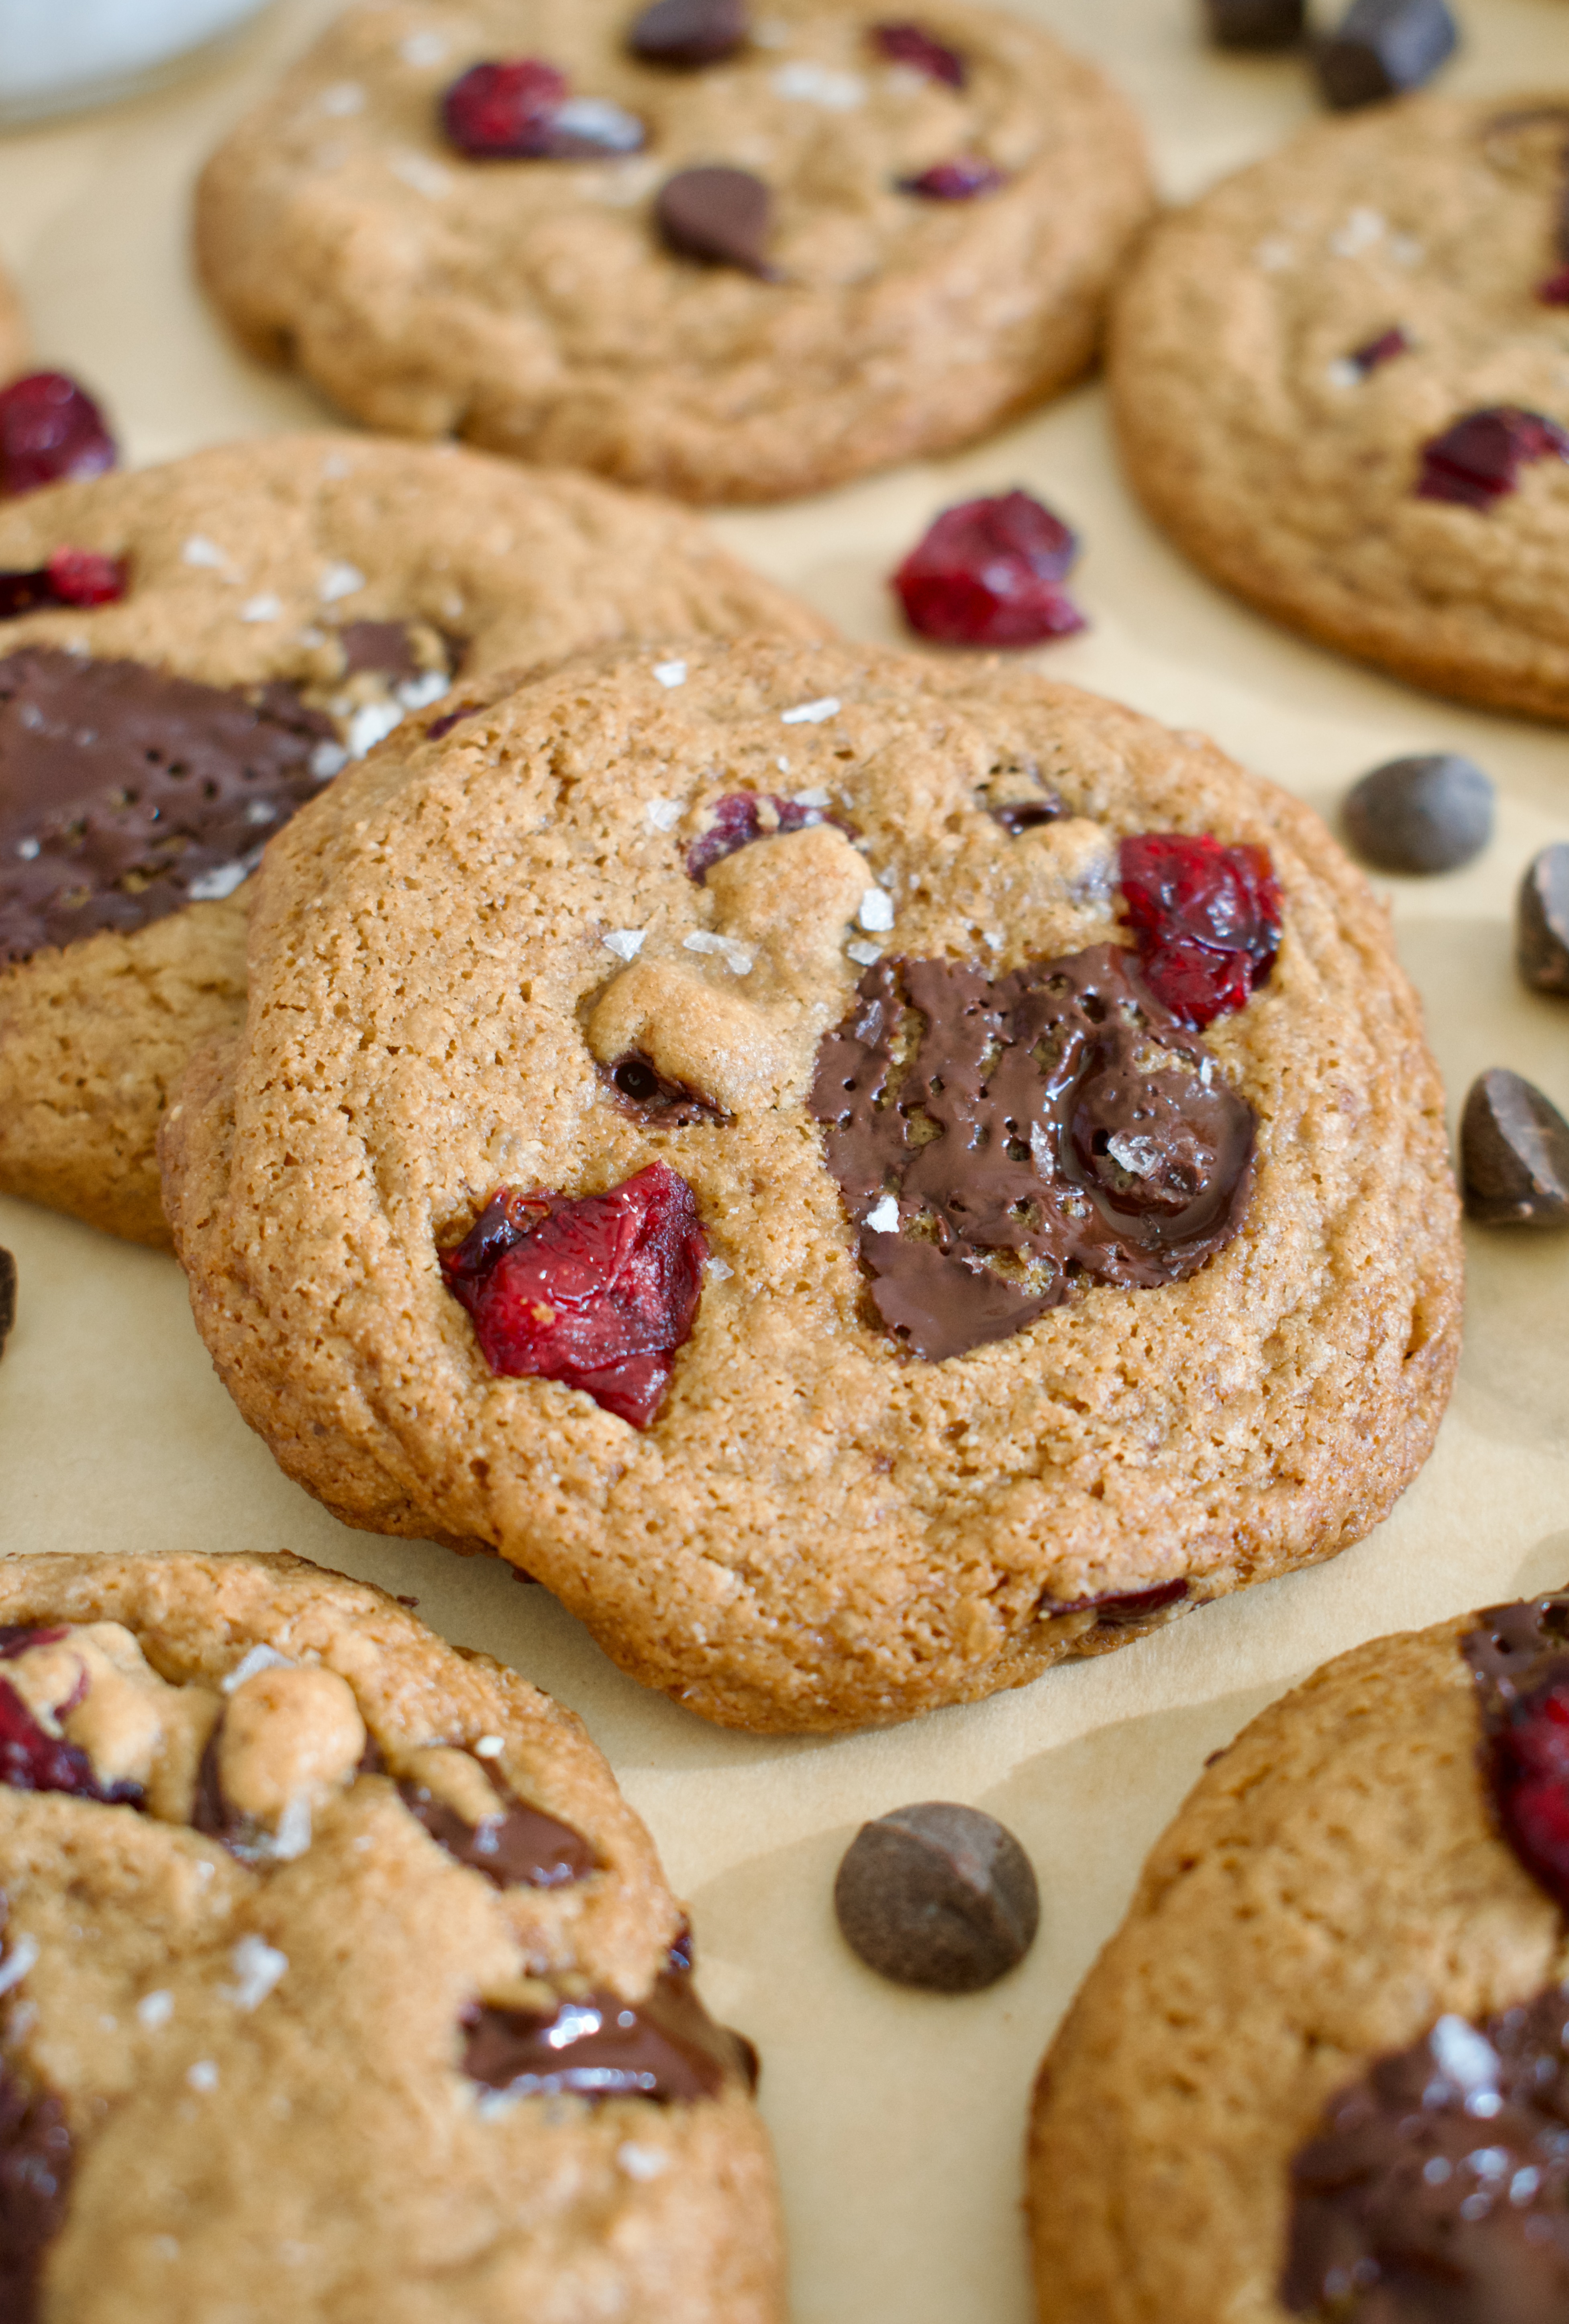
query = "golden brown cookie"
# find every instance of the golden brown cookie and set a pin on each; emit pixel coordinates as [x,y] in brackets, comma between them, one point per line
[567,1056]
[1341,381]
[338,1978]
[1320,2069]
[536,305]
[364,576]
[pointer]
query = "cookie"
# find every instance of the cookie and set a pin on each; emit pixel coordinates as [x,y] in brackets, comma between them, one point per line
[735,1166]
[338,1978]
[1320,2069]
[273,608]
[838,243]
[1341,381]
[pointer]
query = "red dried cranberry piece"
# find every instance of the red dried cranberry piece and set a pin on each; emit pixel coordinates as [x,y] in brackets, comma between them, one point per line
[73,577]
[1555,290]
[1531,1784]
[738,820]
[517,109]
[1388,345]
[963,181]
[49,430]
[597,1291]
[33,1761]
[36,2164]
[1206,918]
[911,45]
[986,574]
[1477,460]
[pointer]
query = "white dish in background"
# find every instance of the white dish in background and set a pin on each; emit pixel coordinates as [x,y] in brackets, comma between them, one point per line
[56,55]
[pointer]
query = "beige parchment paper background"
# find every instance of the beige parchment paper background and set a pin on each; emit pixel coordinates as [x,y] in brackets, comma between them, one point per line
[898,2118]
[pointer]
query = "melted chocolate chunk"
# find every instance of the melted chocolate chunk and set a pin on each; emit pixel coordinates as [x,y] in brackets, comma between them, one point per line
[1437,2189]
[126,793]
[651,1096]
[665,2047]
[1027,815]
[1519,1658]
[1059,1117]
[1123,1606]
[384,648]
[35,2176]
[519,1847]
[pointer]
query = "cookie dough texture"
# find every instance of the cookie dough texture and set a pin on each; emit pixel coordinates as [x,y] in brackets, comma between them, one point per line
[1331,1888]
[530,307]
[1291,479]
[817,1531]
[243,561]
[317,2152]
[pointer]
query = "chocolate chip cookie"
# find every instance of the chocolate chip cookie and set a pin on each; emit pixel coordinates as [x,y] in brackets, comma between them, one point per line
[866,1177]
[1341,382]
[338,1978]
[188,655]
[1322,2070]
[735,253]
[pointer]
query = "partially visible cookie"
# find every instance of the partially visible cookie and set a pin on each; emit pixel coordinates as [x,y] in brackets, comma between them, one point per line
[839,241]
[338,1978]
[1341,381]
[866,1177]
[1323,2069]
[268,611]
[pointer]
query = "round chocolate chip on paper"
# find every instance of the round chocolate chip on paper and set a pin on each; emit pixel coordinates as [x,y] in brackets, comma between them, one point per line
[688,33]
[1430,812]
[1381,47]
[7,1296]
[1514,1154]
[1256,24]
[1542,921]
[719,215]
[937,1895]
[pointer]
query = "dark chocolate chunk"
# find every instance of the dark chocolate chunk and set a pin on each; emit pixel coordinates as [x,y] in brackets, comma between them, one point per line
[7,1296]
[1027,815]
[1123,1606]
[665,2047]
[1256,24]
[386,648]
[1436,2189]
[1383,47]
[1514,1154]
[688,33]
[519,1847]
[1542,921]
[939,1897]
[126,793]
[35,2175]
[1431,813]
[723,216]
[1057,1119]
[651,1096]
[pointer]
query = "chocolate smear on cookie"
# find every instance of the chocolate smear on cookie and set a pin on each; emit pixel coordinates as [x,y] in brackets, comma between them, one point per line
[1059,1121]
[518,1847]
[127,793]
[721,216]
[35,2176]
[1436,2189]
[664,2047]
[688,33]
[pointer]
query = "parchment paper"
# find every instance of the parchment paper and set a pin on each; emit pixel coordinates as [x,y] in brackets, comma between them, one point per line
[898,2118]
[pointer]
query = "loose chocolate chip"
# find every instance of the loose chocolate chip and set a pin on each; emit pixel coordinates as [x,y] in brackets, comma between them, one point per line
[688,33]
[1383,47]
[722,215]
[35,2176]
[1427,814]
[1256,24]
[939,1897]
[1542,921]
[1514,1154]
[7,1296]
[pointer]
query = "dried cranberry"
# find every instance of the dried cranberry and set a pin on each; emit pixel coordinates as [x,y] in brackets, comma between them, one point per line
[1479,458]
[963,181]
[448,720]
[73,577]
[517,109]
[738,819]
[33,1761]
[986,574]
[597,1291]
[1383,349]
[35,2175]
[49,430]
[911,45]
[1206,919]
[1531,1785]
[1555,290]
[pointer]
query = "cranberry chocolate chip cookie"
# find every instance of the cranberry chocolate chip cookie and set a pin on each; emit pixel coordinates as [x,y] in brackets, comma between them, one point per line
[186,657]
[338,1978]
[733,252]
[1322,2070]
[865,1177]
[1340,382]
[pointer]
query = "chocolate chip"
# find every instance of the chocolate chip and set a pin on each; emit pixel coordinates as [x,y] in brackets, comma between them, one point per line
[386,648]
[7,1296]
[1431,813]
[36,2164]
[664,2047]
[722,215]
[689,33]
[1514,1154]
[1383,47]
[1256,24]
[1027,815]
[1542,921]
[652,1097]
[518,1847]
[939,1897]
